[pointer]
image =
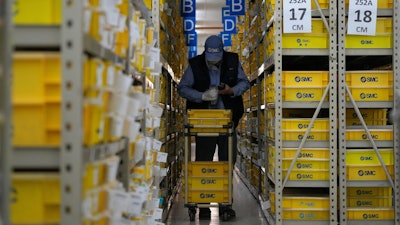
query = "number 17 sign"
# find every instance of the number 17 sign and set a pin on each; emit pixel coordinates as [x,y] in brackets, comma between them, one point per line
[297,16]
[362,17]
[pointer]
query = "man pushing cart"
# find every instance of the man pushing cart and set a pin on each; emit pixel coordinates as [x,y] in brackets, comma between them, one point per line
[214,80]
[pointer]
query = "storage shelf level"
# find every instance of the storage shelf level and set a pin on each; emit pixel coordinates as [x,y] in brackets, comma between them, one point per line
[37,36]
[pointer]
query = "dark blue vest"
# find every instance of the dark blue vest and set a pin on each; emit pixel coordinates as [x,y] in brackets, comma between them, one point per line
[229,75]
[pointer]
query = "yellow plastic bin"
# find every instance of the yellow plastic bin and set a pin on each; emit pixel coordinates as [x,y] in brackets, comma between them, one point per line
[36,198]
[38,12]
[36,99]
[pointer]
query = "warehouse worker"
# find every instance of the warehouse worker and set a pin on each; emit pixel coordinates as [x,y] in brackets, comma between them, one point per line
[215,80]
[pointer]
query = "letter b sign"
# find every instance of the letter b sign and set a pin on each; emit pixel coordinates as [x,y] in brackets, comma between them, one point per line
[237,7]
[188,8]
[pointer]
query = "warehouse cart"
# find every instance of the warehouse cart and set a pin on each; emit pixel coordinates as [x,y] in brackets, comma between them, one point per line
[208,184]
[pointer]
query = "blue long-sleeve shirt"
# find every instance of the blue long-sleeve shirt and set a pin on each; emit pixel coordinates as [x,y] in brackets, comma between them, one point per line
[186,90]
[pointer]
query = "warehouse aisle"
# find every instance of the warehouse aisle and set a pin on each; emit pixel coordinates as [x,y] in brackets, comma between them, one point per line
[247,209]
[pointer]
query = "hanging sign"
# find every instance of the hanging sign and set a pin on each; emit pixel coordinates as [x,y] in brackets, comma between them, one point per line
[189,25]
[192,51]
[297,16]
[229,24]
[191,39]
[188,8]
[226,11]
[237,7]
[362,17]
[226,38]
[192,54]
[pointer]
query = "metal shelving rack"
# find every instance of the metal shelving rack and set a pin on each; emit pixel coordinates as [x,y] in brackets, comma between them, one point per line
[170,135]
[277,61]
[37,38]
[396,74]
[73,155]
[343,90]
[5,111]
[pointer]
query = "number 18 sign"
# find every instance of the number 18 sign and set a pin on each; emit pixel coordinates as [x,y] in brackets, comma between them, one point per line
[362,17]
[297,16]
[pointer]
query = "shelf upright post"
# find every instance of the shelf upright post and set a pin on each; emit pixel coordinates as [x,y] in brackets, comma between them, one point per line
[278,15]
[396,74]
[342,112]
[71,166]
[5,111]
[333,62]
[155,16]
[123,169]
[266,150]
[129,53]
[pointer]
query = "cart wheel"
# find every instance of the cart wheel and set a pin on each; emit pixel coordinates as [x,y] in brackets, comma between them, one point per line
[232,213]
[225,216]
[192,214]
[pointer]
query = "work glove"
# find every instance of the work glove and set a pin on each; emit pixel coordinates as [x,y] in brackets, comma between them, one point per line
[210,95]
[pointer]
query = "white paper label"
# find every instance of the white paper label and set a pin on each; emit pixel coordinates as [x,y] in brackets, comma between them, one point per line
[159,223]
[158,213]
[135,205]
[297,16]
[149,122]
[134,30]
[121,23]
[152,204]
[162,157]
[154,53]
[362,17]
[95,202]
[113,16]
[163,172]
[149,143]
[87,16]
[119,202]
[110,75]
[150,220]
[117,127]
[140,147]
[86,206]
[156,202]
[156,110]
[156,122]
[267,204]
[142,191]
[99,75]
[156,170]
[157,144]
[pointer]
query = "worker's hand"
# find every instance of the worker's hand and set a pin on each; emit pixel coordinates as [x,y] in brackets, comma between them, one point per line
[226,90]
[210,95]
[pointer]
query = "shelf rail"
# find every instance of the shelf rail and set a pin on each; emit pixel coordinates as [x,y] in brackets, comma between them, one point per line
[5,111]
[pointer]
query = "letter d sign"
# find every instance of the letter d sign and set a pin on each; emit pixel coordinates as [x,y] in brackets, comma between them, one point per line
[229,24]
[189,25]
